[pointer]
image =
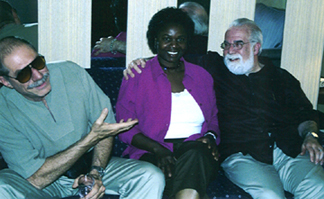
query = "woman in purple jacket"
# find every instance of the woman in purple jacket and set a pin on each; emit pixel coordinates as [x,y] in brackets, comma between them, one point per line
[175,104]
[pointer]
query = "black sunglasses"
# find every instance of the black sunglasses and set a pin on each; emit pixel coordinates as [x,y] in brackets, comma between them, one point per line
[25,74]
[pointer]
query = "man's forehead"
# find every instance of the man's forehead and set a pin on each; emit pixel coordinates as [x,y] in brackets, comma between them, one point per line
[19,55]
[20,51]
[237,33]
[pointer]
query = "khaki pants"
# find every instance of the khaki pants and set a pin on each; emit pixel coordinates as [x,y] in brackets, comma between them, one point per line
[298,176]
[127,178]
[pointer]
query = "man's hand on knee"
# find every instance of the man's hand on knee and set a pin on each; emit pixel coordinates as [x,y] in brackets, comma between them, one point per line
[315,150]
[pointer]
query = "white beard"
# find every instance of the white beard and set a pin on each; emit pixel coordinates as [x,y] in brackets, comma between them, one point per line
[239,68]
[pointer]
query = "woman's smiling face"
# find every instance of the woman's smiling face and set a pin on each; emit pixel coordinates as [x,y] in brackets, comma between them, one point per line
[171,44]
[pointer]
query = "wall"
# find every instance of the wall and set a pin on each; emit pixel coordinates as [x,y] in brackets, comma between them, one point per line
[302,51]
[64,30]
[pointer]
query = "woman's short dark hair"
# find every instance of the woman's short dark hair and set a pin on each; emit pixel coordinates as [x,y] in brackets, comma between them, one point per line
[165,17]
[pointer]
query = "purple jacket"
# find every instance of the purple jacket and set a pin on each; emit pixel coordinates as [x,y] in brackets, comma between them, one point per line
[147,97]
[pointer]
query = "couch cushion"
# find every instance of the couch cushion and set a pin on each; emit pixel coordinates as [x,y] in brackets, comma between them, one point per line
[109,80]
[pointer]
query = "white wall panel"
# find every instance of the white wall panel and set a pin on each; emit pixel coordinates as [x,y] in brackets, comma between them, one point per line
[302,51]
[65,30]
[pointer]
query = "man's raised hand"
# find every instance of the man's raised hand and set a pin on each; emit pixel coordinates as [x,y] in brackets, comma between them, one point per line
[103,129]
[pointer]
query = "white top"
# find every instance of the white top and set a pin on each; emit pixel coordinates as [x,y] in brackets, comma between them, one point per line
[186,116]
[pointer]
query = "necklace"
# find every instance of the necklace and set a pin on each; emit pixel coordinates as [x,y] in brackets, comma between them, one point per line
[171,68]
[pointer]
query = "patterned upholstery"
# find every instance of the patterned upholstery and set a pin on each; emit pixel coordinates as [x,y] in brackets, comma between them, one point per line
[109,80]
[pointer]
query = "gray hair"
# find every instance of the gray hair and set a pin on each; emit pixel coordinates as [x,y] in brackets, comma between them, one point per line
[254,30]
[7,45]
[198,15]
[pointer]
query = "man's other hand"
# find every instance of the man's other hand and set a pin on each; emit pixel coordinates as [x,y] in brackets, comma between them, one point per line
[134,65]
[314,148]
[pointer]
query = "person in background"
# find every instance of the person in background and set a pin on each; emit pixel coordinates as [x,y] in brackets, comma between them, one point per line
[271,22]
[175,104]
[198,14]
[10,25]
[114,46]
[57,125]
[269,128]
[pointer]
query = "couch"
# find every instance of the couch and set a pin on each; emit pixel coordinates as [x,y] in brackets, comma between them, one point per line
[107,73]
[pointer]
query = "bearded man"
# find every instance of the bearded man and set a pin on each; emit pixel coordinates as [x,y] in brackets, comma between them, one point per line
[268,126]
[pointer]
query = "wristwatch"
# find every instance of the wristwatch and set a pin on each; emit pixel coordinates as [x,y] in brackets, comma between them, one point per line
[100,170]
[313,134]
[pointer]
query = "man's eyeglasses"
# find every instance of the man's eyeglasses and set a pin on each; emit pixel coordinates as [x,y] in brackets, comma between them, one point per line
[25,74]
[237,45]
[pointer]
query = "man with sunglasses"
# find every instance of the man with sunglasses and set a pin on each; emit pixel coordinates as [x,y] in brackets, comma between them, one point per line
[57,125]
[269,141]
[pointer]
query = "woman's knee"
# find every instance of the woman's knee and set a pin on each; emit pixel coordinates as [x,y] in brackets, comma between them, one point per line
[200,150]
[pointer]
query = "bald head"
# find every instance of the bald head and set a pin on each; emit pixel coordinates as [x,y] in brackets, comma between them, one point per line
[198,15]
[7,45]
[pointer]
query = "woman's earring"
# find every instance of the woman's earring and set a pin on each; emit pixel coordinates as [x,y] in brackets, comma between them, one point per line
[156,45]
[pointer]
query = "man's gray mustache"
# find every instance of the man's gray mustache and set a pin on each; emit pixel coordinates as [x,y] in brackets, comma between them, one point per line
[39,82]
